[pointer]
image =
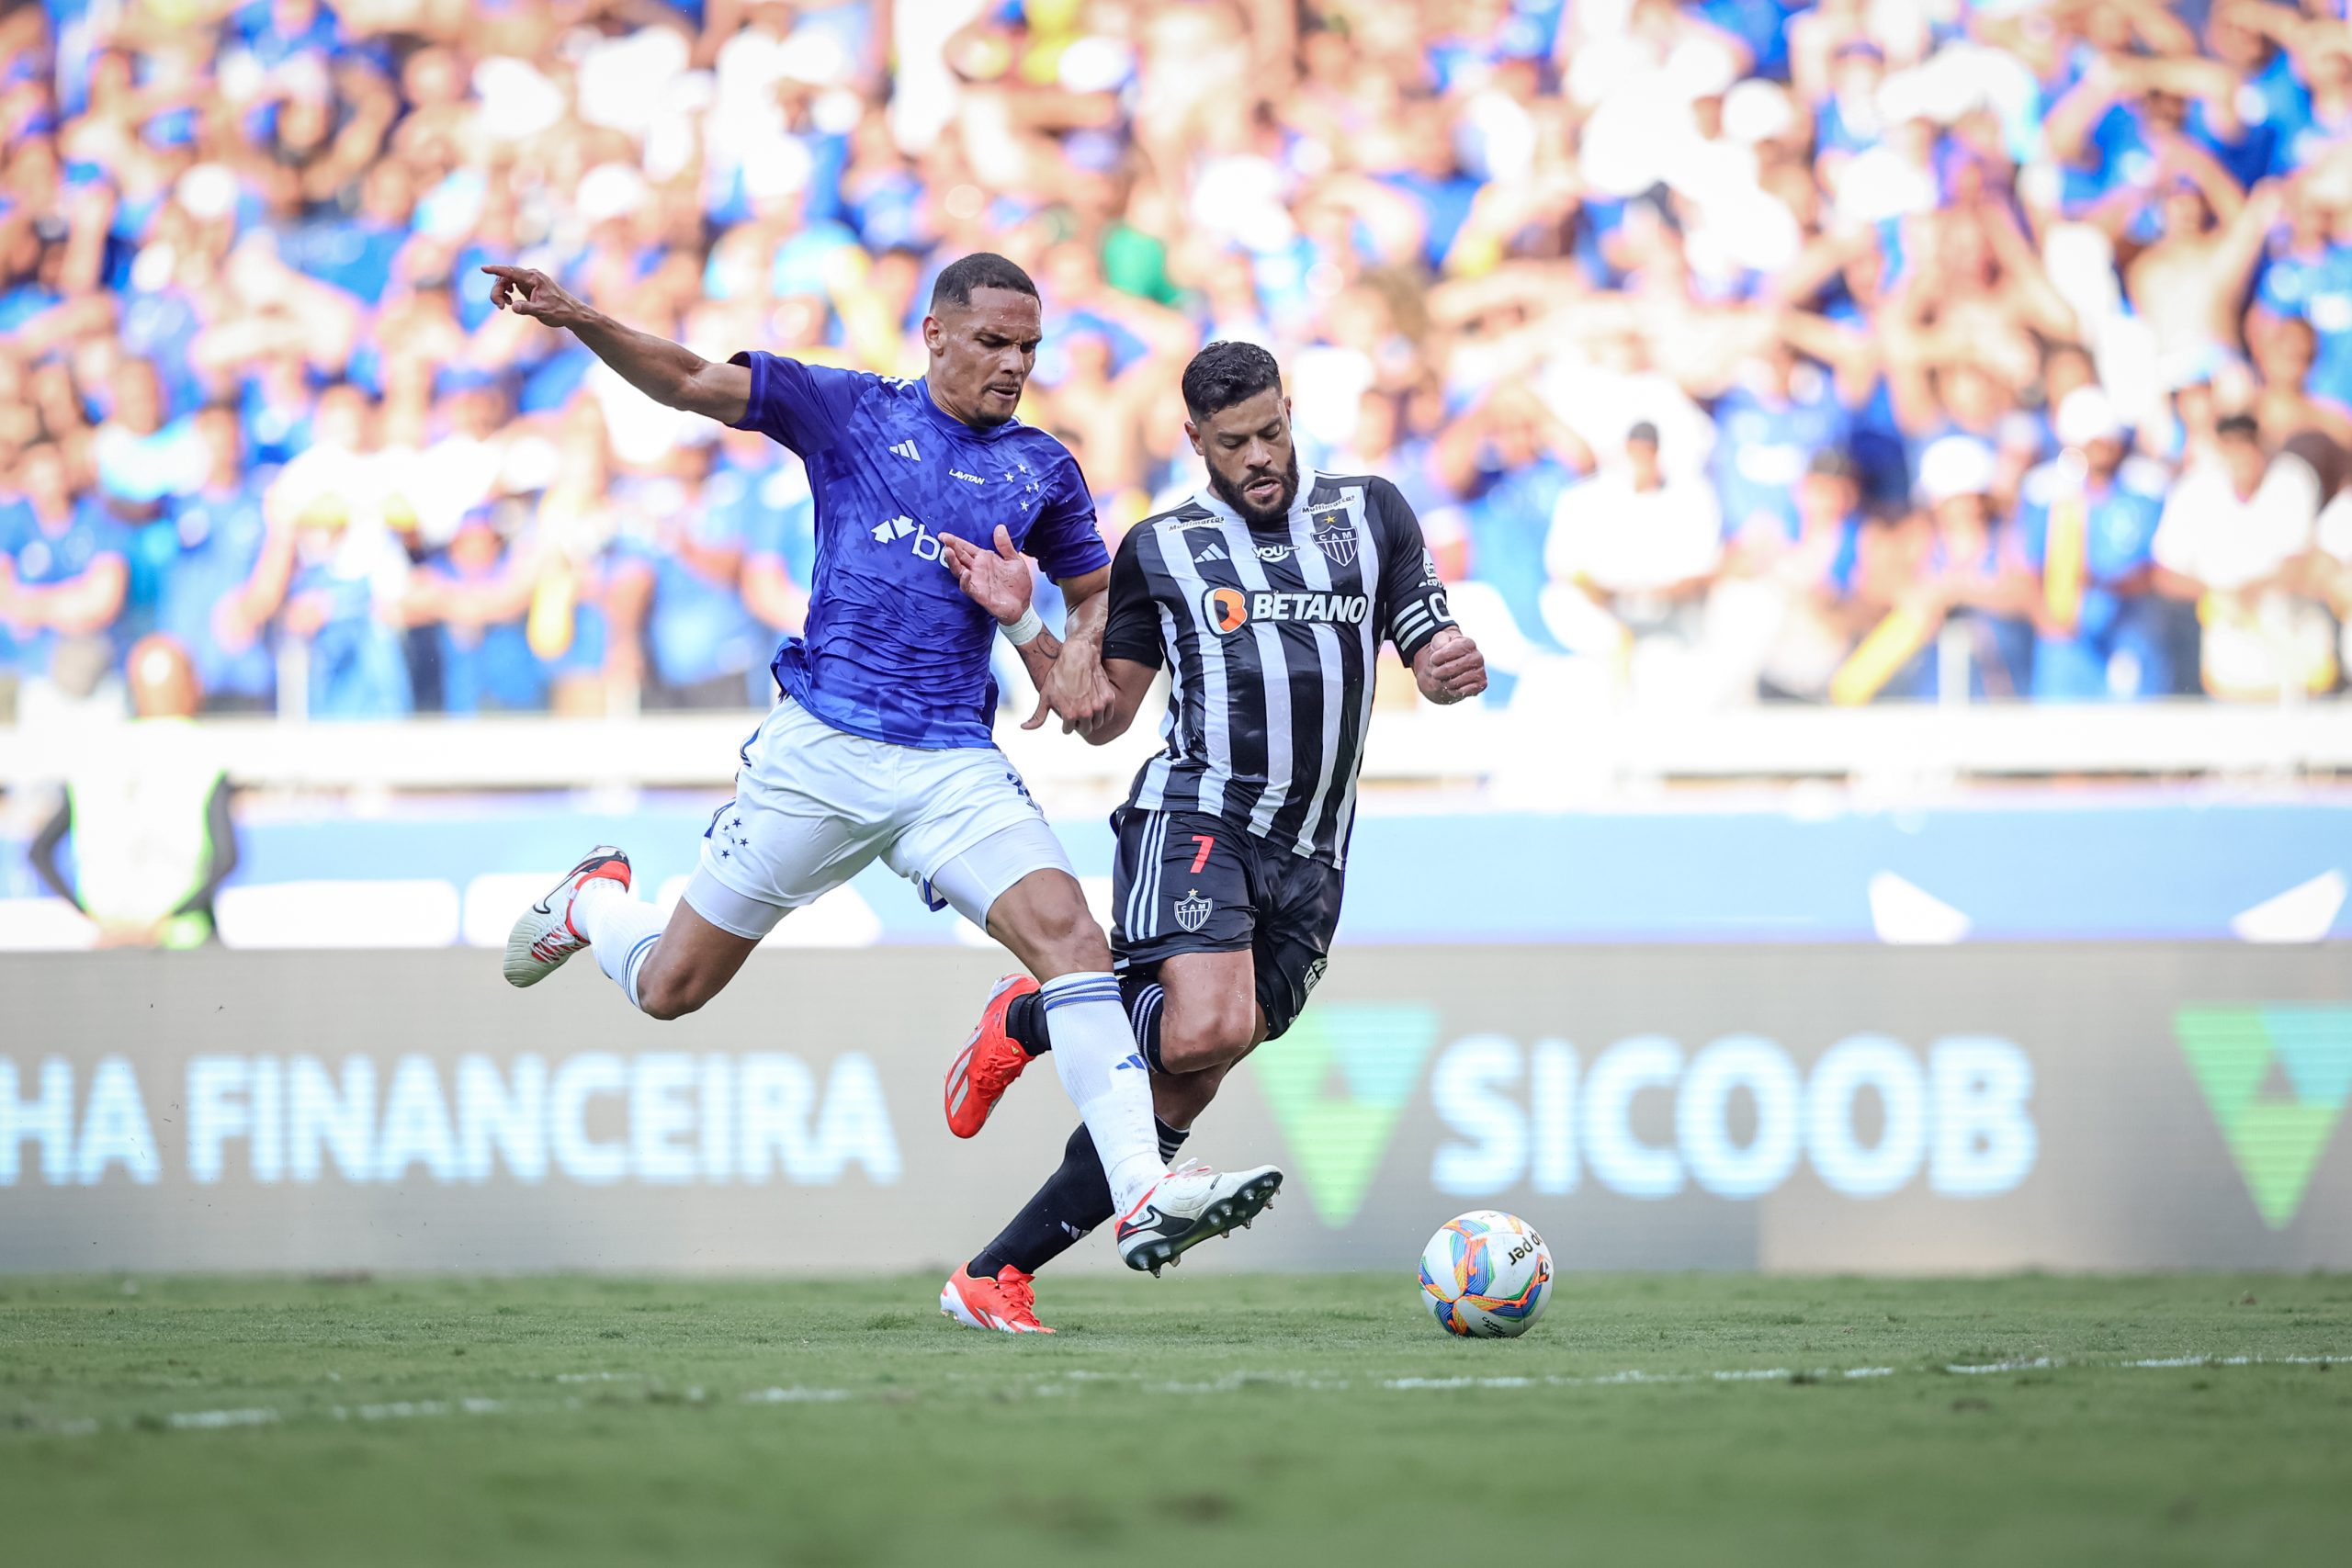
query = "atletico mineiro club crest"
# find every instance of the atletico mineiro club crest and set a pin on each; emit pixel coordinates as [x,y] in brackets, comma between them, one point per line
[1336,537]
[1192,910]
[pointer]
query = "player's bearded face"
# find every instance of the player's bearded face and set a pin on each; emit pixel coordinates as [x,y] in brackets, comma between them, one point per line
[1263,496]
[1253,466]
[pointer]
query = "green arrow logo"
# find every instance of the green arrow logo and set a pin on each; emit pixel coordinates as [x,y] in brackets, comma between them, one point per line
[1337,1084]
[2276,1079]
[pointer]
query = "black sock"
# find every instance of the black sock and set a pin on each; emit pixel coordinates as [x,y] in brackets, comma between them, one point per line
[1144,996]
[1025,1022]
[1073,1200]
[1170,1139]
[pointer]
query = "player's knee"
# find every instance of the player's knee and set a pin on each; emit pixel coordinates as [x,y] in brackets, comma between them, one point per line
[1200,1038]
[1067,940]
[666,996]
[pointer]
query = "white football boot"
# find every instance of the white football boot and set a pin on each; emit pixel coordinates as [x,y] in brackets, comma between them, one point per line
[1190,1204]
[544,935]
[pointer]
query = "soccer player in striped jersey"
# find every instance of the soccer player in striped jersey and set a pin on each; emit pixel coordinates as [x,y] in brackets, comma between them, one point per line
[1267,597]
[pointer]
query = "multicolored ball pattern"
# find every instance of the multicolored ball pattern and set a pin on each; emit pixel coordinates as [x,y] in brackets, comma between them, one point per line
[1486,1275]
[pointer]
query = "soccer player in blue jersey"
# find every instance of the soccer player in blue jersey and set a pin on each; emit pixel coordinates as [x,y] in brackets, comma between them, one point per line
[880,746]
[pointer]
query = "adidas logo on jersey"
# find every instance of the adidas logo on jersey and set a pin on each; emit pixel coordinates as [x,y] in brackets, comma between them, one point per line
[907,449]
[1215,552]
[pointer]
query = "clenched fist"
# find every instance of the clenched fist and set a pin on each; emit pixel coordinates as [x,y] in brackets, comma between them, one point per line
[1451,668]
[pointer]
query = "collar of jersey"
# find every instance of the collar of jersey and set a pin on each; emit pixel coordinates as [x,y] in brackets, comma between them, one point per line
[1210,501]
[948,421]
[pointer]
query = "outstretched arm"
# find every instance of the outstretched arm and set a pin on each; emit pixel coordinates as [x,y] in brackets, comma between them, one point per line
[667,372]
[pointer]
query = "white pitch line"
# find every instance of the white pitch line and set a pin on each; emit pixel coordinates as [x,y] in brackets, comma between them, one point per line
[187,1419]
[475,1405]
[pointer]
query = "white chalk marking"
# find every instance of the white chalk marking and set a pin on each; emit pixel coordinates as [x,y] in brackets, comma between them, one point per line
[475,1405]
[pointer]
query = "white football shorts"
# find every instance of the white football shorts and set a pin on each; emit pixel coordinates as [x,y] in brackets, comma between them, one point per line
[814,805]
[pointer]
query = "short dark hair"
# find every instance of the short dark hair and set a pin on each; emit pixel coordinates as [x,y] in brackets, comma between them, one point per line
[2240,427]
[1224,374]
[981,269]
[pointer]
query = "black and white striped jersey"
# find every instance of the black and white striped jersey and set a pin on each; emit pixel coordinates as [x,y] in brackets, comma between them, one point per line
[1269,635]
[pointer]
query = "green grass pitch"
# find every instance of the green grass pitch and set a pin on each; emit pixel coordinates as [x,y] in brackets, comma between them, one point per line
[1210,1420]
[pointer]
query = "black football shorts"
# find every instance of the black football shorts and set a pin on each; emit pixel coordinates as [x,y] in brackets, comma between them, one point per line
[1188,881]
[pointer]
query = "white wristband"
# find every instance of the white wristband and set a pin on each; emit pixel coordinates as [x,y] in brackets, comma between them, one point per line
[1023,632]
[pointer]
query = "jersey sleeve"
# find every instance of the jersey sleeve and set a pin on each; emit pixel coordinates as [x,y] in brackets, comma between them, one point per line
[1065,540]
[1132,631]
[1412,596]
[804,406]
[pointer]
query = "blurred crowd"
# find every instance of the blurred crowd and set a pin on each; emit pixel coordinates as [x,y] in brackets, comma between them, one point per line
[1729,350]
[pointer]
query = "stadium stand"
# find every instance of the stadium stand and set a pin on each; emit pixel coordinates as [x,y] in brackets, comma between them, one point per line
[1734,353]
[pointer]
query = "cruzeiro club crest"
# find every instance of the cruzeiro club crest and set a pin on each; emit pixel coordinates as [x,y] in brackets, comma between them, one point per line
[1335,535]
[1337,1084]
[1192,910]
[2276,1079]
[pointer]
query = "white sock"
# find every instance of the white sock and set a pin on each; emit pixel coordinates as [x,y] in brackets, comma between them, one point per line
[1095,1053]
[621,928]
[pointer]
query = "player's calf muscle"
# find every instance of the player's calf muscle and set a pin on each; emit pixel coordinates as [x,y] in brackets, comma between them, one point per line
[1180,1098]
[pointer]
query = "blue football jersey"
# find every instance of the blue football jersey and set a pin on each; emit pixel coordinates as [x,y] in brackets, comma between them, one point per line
[893,650]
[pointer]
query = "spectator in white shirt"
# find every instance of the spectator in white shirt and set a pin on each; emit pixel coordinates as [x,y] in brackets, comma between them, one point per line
[2235,537]
[1631,554]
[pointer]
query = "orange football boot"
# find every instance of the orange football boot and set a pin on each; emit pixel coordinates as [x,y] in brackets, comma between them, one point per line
[1005,1304]
[989,1063]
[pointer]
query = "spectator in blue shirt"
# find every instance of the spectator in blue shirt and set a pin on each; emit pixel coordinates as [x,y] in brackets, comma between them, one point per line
[1950,564]
[228,576]
[477,592]
[1850,120]
[63,568]
[344,604]
[2085,521]
[764,489]
[2312,283]
[357,254]
[1769,428]
[142,460]
[675,591]
[1514,460]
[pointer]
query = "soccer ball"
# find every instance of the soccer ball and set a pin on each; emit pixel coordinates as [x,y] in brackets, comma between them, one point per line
[1486,1275]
